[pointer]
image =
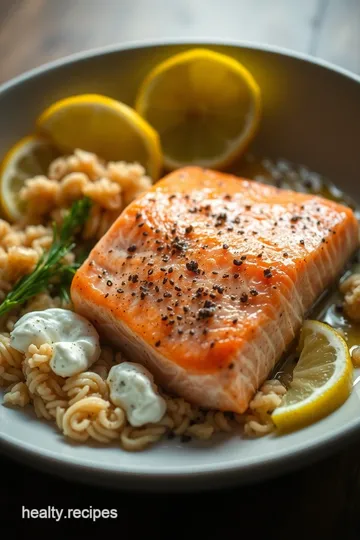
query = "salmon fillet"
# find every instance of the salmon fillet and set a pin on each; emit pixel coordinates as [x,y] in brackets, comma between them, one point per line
[207,277]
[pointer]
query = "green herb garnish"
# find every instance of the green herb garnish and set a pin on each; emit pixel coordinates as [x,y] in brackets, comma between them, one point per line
[50,264]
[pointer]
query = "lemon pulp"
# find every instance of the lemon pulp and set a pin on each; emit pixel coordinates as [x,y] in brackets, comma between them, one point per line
[322,378]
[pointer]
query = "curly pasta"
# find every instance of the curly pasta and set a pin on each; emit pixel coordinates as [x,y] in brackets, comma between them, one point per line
[72,188]
[44,301]
[45,387]
[20,250]
[105,193]
[134,440]
[92,417]
[181,413]
[194,422]
[18,395]
[84,385]
[80,406]
[350,288]
[10,363]
[258,420]
[19,261]
[81,161]
[40,194]
[105,362]
[100,220]
[111,186]
[131,177]
[5,287]
[39,357]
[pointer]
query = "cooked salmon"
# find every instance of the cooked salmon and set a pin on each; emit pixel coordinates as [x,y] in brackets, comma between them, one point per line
[206,279]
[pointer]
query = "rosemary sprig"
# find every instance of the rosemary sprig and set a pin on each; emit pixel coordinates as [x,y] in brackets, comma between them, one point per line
[50,263]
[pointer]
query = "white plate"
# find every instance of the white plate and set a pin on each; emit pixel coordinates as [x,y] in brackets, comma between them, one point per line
[171,465]
[307,104]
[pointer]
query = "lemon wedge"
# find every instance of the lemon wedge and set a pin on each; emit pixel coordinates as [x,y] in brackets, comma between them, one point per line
[102,125]
[29,157]
[204,105]
[322,378]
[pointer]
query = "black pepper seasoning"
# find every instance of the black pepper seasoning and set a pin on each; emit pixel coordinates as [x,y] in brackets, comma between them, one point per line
[267,273]
[192,266]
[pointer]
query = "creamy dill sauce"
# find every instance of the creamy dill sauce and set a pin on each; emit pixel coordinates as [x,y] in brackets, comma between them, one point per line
[132,388]
[74,340]
[283,174]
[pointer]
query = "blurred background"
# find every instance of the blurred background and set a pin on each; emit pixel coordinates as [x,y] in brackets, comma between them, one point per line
[36,31]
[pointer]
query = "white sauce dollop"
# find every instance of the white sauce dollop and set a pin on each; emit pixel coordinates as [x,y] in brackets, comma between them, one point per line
[75,341]
[132,388]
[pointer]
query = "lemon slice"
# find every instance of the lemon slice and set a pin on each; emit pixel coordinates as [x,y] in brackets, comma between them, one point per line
[322,378]
[204,105]
[29,157]
[102,125]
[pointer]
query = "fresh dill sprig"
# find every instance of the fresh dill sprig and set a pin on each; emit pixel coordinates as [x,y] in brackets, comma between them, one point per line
[65,277]
[50,264]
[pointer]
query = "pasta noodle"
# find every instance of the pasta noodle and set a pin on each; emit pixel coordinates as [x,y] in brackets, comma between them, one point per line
[83,385]
[40,195]
[106,360]
[98,223]
[135,440]
[105,193]
[10,363]
[92,417]
[45,387]
[111,187]
[258,421]
[80,161]
[17,395]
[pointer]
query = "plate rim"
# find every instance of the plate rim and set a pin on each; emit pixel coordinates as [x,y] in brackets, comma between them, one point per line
[148,43]
[326,444]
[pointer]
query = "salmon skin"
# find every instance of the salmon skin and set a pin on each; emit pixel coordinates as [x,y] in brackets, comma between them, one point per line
[206,278]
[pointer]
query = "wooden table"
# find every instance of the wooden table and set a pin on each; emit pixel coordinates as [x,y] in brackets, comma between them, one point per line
[321,501]
[36,31]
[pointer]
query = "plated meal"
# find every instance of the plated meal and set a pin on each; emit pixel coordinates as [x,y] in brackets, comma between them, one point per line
[159,281]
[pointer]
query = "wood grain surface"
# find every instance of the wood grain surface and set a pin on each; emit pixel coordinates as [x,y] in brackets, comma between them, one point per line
[320,501]
[33,32]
